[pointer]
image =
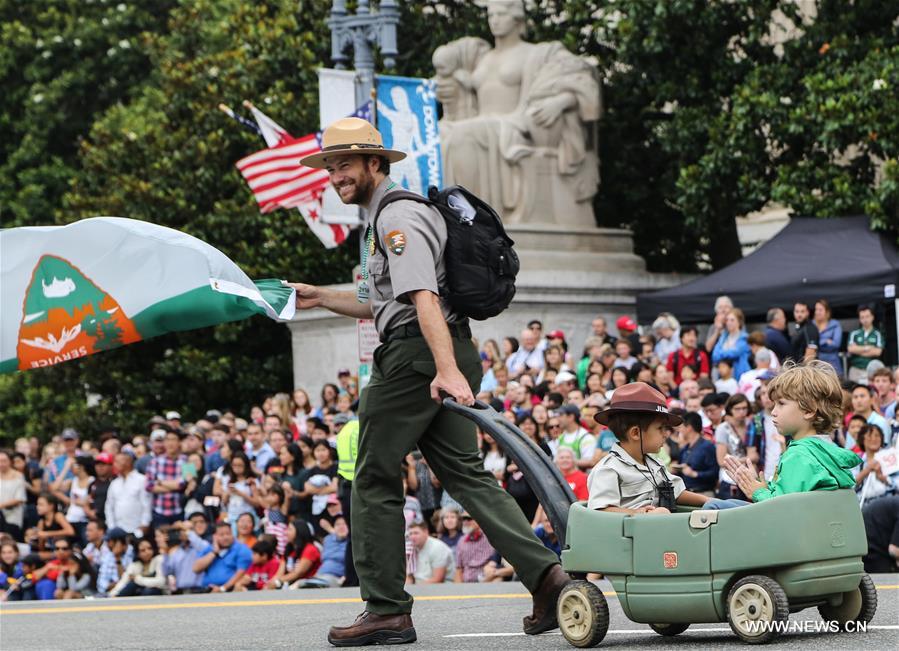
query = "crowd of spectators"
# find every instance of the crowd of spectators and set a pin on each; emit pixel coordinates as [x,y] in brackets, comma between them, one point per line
[232,503]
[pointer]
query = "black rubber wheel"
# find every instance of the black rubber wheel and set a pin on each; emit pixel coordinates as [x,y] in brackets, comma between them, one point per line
[757,609]
[858,606]
[669,630]
[583,614]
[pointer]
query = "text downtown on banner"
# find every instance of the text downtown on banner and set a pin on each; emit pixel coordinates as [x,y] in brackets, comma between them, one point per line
[407,120]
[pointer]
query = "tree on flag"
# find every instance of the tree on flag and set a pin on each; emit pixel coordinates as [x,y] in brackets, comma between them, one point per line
[279,181]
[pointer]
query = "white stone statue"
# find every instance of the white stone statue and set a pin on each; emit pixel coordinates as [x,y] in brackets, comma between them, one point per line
[519,123]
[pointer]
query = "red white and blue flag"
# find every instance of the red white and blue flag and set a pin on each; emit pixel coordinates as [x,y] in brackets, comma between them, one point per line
[279,181]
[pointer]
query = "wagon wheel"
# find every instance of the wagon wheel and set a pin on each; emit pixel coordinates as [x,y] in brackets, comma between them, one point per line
[858,606]
[669,630]
[757,609]
[583,614]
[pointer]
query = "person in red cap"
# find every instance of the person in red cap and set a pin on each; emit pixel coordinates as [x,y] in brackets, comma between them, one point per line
[626,325]
[627,329]
[629,479]
[557,338]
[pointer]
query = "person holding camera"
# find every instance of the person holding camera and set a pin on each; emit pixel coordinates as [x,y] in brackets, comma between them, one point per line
[178,565]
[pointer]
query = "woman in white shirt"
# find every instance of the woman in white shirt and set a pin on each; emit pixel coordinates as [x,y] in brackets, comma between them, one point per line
[870,480]
[12,497]
[80,495]
[238,487]
[144,577]
[730,439]
[494,459]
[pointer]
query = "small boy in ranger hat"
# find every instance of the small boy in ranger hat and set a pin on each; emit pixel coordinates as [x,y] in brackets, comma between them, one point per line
[629,479]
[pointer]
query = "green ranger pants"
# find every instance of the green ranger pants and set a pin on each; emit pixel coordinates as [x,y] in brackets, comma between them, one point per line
[396,414]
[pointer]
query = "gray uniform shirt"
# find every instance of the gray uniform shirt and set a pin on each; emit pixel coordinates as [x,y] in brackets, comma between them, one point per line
[413,236]
[618,480]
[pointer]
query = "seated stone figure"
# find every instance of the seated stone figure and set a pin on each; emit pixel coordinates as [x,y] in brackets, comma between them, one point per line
[519,123]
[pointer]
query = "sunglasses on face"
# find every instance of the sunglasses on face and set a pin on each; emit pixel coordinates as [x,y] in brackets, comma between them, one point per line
[553,426]
[467,517]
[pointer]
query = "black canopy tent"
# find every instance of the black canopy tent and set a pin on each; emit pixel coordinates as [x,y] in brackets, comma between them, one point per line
[840,259]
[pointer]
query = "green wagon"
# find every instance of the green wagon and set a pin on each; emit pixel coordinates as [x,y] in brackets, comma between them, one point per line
[750,566]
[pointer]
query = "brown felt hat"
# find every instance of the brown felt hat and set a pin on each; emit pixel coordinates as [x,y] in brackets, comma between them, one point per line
[638,398]
[350,136]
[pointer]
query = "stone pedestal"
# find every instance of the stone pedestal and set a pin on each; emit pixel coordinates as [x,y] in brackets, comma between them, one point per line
[552,248]
[568,276]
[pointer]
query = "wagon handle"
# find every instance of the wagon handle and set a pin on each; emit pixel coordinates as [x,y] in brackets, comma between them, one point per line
[551,489]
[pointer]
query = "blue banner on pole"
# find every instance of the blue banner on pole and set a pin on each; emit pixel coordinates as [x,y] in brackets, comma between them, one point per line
[407,119]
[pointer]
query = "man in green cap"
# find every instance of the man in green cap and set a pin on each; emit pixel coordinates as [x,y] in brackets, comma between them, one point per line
[426,350]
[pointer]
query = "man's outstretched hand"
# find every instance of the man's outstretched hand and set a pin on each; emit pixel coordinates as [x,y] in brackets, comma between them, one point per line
[308,296]
[453,383]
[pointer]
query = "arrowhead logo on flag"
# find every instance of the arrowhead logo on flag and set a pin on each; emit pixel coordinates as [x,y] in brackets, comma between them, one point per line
[66,316]
[279,181]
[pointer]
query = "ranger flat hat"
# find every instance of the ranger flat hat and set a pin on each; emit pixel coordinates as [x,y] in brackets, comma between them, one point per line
[638,397]
[350,136]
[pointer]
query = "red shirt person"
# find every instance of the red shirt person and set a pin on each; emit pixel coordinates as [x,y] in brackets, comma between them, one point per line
[688,355]
[263,569]
[576,479]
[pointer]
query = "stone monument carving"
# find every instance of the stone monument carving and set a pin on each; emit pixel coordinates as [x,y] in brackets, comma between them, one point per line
[519,123]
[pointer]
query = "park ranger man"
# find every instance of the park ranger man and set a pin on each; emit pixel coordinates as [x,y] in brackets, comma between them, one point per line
[425,349]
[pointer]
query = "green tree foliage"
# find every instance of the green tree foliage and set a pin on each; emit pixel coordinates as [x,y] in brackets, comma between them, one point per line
[62,63]
[109,108]
[835,133]
[813,127]
[165,154]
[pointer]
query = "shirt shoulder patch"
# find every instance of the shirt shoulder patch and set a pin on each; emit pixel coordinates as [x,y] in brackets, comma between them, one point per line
[395,241]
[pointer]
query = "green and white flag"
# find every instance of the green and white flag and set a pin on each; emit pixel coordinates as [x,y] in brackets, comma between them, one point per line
[71,291]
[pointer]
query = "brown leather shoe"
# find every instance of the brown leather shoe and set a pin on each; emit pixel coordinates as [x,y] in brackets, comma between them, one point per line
[370,628]
[544,616]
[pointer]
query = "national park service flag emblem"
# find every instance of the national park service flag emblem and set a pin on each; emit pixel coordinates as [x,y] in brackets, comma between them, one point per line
[396,242]
[66,315]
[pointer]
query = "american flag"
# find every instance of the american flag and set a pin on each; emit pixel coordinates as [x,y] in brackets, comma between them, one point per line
[279,181]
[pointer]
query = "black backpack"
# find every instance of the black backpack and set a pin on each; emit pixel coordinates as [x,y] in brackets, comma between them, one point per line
[481,264]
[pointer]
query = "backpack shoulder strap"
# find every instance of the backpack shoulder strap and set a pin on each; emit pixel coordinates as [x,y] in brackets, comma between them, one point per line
[389,198]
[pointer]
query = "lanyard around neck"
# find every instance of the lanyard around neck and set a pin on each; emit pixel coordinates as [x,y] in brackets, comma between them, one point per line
[369,247]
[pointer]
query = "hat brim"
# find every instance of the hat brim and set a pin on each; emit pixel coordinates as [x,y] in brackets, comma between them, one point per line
[319,160]
[671,420]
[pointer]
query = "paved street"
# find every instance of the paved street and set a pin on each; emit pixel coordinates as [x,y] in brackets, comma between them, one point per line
[447,617]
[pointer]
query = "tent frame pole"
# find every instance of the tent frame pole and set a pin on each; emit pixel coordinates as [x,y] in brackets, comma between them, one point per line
[896,315]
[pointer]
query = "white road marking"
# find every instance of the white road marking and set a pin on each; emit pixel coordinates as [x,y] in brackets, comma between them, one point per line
[635,631]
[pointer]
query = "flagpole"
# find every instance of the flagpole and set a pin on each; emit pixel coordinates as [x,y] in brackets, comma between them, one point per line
[246,124]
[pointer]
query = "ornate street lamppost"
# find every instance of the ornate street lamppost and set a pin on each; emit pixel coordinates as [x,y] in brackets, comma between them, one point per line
[361,32]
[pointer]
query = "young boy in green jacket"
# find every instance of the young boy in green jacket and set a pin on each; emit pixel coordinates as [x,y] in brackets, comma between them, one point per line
[807,405]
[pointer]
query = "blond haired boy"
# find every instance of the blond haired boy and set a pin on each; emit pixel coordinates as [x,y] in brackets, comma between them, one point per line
[807,408]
